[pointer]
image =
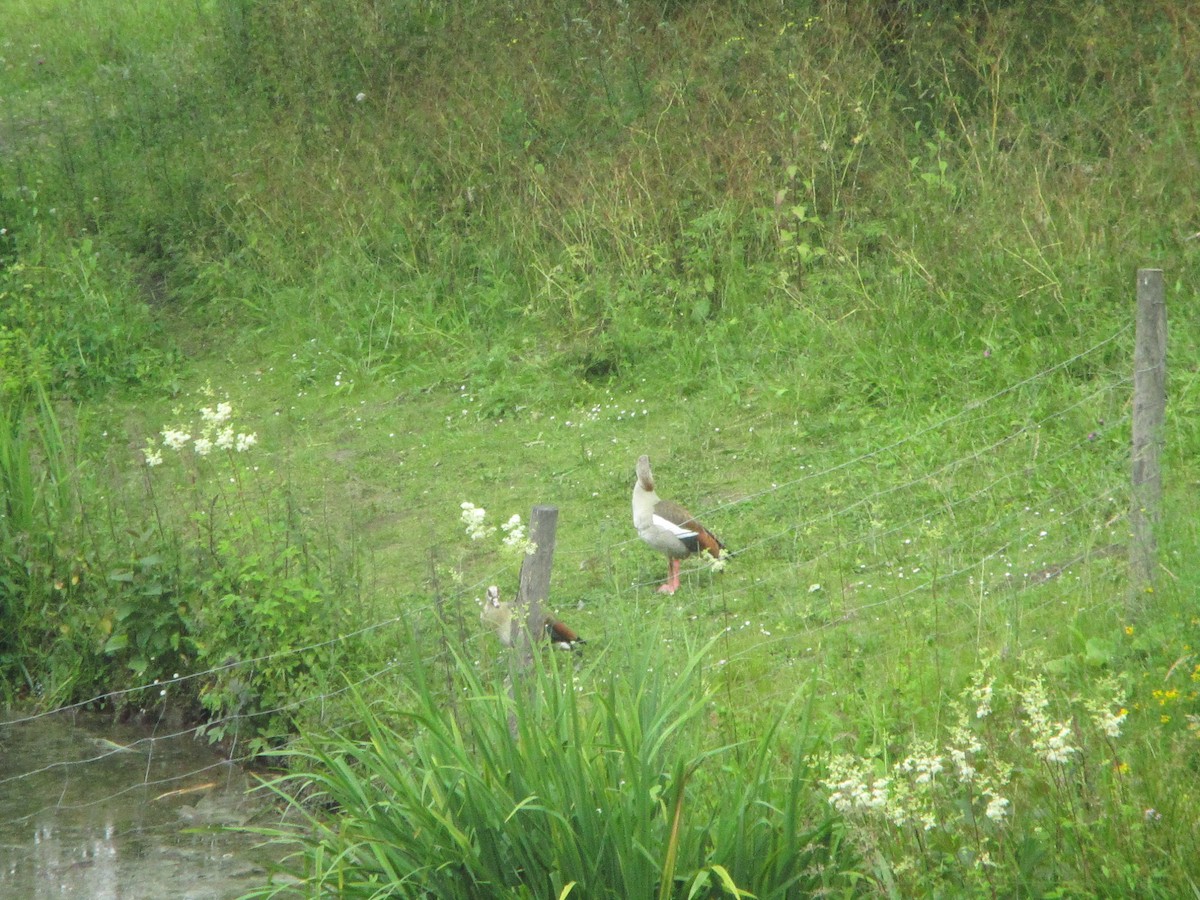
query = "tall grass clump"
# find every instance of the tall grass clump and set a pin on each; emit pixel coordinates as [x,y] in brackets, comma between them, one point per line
[36,506]
[555,788]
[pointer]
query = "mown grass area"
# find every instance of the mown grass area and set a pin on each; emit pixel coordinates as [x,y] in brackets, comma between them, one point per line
[860,281]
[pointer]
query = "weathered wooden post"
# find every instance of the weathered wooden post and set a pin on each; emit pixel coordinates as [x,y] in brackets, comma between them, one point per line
[1149,412]
[534,586]
[532,593]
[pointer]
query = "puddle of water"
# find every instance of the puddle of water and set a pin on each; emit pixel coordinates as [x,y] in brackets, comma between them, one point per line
[89,809]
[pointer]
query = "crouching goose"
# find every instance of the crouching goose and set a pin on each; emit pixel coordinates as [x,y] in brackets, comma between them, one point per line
[668,527]
[499,616]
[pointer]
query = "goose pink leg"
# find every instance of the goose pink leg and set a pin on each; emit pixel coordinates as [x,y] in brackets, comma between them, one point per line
[672,583]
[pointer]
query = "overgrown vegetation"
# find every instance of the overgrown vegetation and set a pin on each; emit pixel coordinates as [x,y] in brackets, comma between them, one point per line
[554,789]
[857,276]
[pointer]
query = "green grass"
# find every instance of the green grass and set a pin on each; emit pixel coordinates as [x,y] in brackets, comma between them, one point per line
[556,788]
[860,284]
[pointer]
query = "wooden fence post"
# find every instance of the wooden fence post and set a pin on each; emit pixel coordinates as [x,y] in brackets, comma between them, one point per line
[534,587]
[1149,412]
[532,593]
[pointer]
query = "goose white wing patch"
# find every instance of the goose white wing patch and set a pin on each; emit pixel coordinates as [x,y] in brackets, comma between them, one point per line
[678,530]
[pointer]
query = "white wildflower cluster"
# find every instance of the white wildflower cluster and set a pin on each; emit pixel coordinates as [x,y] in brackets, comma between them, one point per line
[857,792]
[924,766]
[914,795]
[474,518]
[981,694]
[852,788]
[1051,740]
[931,787]
[215,433]
[963,748]
[1108,721]
[997,807]
[514,537]
[962,788]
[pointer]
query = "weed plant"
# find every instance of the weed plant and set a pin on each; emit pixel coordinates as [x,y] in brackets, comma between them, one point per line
[255,613]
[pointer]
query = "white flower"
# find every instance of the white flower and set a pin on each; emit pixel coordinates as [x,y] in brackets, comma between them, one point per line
[966,772]
[153,457]
[850,789]
[224,439]
[925,768]
[1106,720]
[983,697]
[472,517]
[875,795]
[175,439]
[1110,723]
[514,536]
[202,446]
[997,808]
[1050,739]
[360,97]
[245,441]
[963,744]
[1056,748]
[218,416]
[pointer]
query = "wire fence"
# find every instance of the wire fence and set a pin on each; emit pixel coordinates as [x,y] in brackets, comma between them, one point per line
[949,546]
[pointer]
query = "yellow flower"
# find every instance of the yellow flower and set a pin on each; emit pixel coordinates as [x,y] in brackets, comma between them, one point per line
[1129,629]
[1165,719]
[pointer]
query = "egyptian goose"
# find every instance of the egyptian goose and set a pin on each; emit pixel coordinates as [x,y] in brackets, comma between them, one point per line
[668,527]
[499,616]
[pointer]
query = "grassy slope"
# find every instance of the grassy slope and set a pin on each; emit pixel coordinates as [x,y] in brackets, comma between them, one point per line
[500,277]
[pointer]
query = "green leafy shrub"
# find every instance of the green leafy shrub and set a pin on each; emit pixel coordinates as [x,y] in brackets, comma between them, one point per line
[147,617]
[253,607]
[262,627]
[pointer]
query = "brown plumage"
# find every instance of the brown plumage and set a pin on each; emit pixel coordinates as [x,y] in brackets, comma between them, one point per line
[561,636]
[668,527]
[499,616]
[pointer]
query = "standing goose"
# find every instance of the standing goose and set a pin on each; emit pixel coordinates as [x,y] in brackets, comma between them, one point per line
[499,616]
[668,527]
